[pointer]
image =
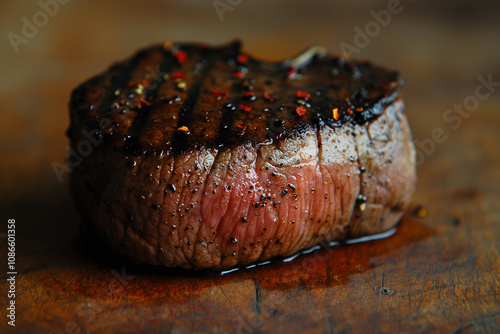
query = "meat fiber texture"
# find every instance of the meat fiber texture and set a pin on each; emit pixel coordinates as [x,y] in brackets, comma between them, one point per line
[232,190]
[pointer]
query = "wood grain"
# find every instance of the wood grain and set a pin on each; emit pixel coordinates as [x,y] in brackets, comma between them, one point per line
[438,273]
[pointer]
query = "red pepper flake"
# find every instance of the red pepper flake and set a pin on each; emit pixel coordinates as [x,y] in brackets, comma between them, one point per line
[137,83]
[146,102]
[303,95]
[292,72]
[359,109]
[178,75]
[268,97]
[242,59]
[221,95]
[184,129]
[139,105]
[245,108]
[336,114]
[240,129]
[300,110]
[349,111]
[239,75]
[180,55]
[249,94]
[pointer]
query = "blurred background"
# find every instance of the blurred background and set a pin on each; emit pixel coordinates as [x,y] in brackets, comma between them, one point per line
[444,50]
[439,47]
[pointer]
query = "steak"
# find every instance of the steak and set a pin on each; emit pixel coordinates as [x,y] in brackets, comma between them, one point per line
[199,156]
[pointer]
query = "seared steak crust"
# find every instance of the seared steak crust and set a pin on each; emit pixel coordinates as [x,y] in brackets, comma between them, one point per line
[206,157]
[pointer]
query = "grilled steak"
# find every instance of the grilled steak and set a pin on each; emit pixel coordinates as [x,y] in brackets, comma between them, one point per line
[204,157]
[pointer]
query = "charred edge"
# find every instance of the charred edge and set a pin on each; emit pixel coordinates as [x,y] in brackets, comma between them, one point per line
[121,73]
[78,101]
[133,143]
[78,96]
[377,109]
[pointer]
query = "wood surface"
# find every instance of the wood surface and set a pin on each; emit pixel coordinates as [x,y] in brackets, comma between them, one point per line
[438,273]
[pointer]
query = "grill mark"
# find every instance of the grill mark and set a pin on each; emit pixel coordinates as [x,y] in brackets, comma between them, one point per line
[228,118]
[118,78]
[382,84]
[122,73]
[207,114]
[133,143]
[185,115]
[257,121]
[294,124]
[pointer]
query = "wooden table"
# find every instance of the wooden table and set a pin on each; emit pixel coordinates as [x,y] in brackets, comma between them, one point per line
[439,272]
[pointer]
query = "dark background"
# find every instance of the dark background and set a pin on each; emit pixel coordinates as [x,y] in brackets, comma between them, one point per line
[444,267]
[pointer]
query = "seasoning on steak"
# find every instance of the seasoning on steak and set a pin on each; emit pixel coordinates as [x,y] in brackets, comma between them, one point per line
[205,157]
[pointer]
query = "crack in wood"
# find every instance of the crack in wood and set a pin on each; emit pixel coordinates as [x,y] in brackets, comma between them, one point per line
[256,302]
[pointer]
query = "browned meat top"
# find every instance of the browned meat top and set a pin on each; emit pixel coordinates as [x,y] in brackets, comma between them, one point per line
[172,98]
